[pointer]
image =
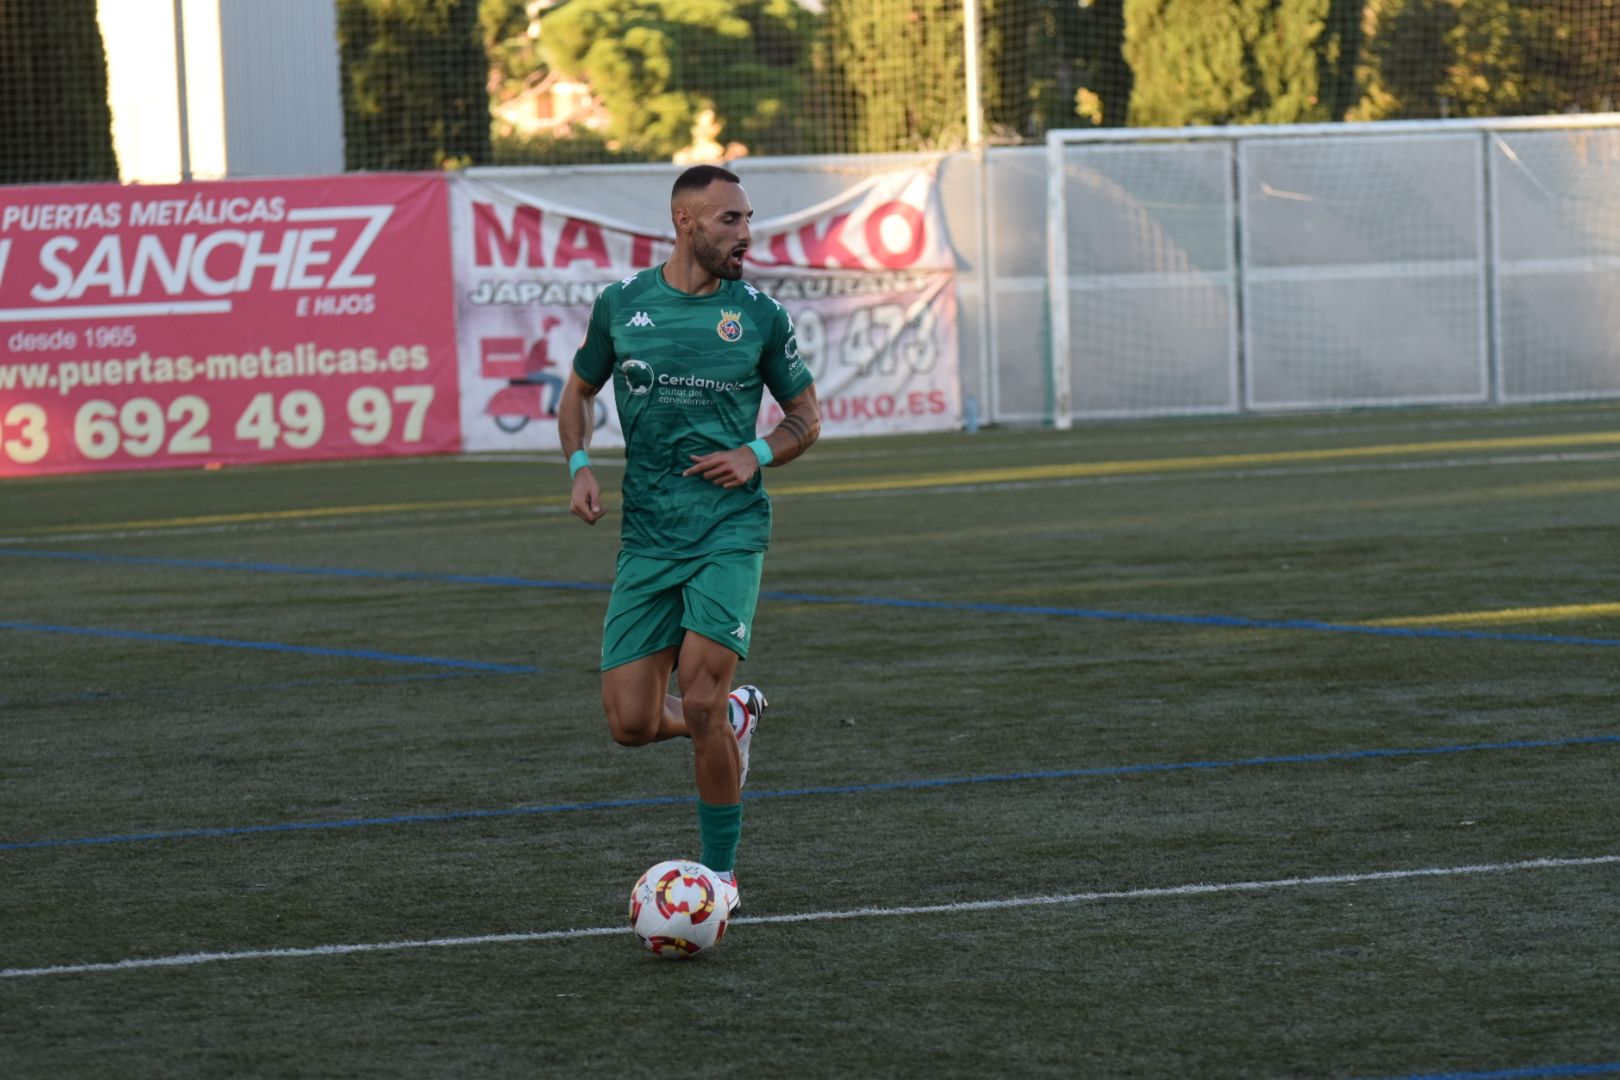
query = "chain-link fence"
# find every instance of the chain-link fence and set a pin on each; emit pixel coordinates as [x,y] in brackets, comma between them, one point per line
[428,83]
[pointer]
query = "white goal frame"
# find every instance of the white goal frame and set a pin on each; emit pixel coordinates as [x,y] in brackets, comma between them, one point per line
[1490,385]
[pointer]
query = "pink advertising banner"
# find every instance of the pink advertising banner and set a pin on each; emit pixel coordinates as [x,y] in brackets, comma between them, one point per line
[868,278]
[225,323]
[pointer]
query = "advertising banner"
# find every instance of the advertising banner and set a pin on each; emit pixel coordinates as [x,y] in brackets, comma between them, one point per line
[867,276]
[225,323]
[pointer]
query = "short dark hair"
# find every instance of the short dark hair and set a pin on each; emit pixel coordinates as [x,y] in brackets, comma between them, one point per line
[699,177]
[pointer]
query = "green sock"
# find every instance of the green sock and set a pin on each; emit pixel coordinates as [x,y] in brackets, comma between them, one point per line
[719,827]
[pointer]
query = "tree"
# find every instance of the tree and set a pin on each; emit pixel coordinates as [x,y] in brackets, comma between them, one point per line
[55,124]
[1432,58]
[512,52]
[658,64]
[900,70]
[1102,74]
[1339,55]
[414,78]
[1053,63]
[1244,62]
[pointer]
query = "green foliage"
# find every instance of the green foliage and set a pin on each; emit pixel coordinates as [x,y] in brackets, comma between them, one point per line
[513,54]
[1247,62]
[1433,58]
[657,64]
[414,78]
[1040,55]
[54,121]
[1338,54]
[1100,66]
[581,147]
[900,66]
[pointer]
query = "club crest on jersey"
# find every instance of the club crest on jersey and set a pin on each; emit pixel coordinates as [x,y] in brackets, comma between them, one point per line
[730,326]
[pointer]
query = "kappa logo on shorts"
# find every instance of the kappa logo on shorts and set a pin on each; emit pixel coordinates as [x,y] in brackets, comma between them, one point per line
[741,633]
[730,326]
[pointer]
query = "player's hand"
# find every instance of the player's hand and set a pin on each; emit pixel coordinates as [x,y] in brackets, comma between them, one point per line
[586,503]
[728,468]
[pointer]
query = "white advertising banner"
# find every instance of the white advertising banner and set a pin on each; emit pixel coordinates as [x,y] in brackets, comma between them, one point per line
[868,277]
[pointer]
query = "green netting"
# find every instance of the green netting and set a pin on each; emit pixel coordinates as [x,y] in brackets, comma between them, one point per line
[427,83]
[54,120]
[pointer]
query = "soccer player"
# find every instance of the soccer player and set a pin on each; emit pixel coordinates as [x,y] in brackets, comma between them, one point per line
[690,348]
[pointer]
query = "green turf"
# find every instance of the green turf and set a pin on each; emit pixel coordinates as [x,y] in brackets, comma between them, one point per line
[1472,512]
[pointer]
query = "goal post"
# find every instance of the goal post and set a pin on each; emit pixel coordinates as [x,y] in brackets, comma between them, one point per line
[1217,270]
[1141,288]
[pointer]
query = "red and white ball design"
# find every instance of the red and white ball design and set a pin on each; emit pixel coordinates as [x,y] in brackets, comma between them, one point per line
[676,910]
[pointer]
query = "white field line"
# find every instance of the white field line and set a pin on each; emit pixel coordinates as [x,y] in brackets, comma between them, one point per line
[192,959]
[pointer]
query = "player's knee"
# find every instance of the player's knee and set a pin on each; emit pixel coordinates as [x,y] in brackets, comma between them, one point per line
[629,727]
[627,736]
[704,706]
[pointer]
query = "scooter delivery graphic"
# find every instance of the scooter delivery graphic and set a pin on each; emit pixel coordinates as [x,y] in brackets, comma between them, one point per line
[534,381]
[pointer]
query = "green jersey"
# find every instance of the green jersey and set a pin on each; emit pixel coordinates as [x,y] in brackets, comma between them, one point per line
[688,375]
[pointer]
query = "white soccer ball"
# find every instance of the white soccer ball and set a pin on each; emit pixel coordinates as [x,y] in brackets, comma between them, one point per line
[676,909]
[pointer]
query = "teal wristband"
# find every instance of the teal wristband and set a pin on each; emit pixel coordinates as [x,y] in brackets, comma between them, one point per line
[762,450]
[578,460]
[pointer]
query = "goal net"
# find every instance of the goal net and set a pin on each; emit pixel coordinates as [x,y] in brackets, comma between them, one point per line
[1320,267]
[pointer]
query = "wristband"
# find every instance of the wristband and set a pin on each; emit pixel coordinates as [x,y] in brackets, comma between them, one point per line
[762,450]
[578,460]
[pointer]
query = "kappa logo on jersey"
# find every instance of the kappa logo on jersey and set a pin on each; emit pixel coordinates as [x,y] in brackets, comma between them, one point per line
[638,376]
[730,326]
[741,633]
[640,318]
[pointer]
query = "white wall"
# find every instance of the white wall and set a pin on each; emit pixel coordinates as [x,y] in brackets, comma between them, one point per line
[283,98]
[141,88]
[261,87]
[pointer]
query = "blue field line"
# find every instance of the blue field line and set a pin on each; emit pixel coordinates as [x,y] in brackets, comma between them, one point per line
[1091,614]
[272,646]
[390,680]
[845,789]
[507,580]
[160,692]
[1602,1068]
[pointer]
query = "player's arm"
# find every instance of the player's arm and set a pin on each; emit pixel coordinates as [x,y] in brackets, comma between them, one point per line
[797,432]
[575,411]
[799,428]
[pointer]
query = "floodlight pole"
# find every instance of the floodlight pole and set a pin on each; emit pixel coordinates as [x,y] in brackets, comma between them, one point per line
[974,410]
[970,45]
[180,89]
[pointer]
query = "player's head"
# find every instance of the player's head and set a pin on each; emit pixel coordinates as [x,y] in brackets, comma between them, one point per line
[711,211]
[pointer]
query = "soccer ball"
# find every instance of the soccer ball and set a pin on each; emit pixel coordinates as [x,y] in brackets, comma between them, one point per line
[676,910]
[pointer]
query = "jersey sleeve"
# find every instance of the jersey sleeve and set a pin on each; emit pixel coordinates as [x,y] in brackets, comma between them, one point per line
[593,361]
[785,373]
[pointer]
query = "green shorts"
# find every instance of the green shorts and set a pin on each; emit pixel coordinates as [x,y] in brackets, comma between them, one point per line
[656,601]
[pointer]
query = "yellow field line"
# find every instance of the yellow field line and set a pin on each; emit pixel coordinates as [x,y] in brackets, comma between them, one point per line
[1559,613]
[895,483]
[1186,464]
[294,515]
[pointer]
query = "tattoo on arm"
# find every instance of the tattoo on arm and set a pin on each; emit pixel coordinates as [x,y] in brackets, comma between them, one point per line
[794,425]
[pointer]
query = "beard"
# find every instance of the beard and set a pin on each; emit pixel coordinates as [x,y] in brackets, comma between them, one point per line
[716,259]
